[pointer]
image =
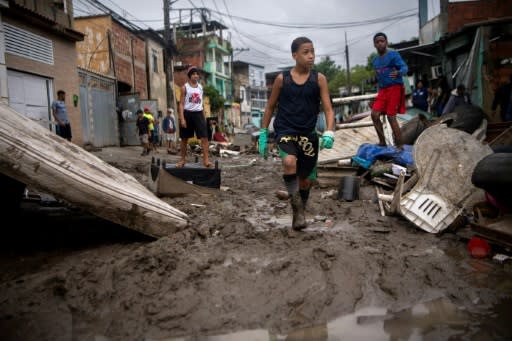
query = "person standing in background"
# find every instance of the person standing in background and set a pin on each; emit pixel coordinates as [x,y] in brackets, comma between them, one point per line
[142,125]
[60,114]
[156,130]
[390,101]
[458,97]
[432,100]
[169,129]
[149,116]
[503,98]
[420,97]
[443,94]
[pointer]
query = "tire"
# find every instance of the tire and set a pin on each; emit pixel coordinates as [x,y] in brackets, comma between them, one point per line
[468,118]
[494,175]
[412,129]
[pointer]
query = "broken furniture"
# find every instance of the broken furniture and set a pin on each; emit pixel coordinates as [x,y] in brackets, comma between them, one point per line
[165,179]
[445,159]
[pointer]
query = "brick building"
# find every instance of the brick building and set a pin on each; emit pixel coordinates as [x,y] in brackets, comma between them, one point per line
[112,49]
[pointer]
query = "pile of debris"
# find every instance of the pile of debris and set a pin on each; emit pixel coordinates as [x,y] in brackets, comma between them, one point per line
[454,172]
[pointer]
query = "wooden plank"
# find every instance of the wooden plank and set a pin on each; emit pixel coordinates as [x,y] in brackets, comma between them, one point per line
[499,231]
[39,158]
[348,141]
[495,129]
[503,139]
[350,99]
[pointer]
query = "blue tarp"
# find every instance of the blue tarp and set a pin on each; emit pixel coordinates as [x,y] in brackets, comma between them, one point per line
[368,153]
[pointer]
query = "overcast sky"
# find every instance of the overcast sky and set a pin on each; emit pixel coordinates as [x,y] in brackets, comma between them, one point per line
[266,28]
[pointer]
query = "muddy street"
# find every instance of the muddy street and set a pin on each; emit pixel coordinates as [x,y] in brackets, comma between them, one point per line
[238,272]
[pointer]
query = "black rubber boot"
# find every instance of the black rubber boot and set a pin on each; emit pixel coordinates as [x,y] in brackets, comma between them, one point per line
[304,194]
[299,218]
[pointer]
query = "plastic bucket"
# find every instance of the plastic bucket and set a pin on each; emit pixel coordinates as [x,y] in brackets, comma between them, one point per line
[478,247]
[348,189]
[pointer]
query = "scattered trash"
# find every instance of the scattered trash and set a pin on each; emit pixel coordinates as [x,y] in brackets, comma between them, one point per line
[228,152]
[397,169]
[348,189]
[197,205]
[329,223]
[282,195]
[500,258]
[328,194]
[478,247]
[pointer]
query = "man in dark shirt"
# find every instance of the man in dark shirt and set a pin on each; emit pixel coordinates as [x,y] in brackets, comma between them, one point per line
[503,98]
[420,97]
[458,97]
[143,130]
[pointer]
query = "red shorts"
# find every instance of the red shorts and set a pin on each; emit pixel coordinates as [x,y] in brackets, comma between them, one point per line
[390,100]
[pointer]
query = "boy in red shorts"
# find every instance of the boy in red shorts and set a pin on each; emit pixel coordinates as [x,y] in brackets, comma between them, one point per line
[389,68]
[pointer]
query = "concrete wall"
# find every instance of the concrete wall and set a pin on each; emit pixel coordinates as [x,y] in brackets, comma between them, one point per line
[156,80]
[93,52]
[461,13]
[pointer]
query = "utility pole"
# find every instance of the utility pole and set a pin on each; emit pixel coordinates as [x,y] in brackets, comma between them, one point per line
[169,72]
[349,83]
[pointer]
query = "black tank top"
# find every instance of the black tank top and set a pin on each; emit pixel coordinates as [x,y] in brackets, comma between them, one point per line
[298,106]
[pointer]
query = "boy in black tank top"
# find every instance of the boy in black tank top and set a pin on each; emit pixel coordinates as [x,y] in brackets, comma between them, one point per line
[297,94]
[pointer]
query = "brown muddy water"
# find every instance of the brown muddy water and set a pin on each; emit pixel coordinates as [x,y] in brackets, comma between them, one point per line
[240,273]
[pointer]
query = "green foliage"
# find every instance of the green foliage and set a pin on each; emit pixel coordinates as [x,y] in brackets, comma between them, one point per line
[369,59]
[216,100]
[337,77]
[339,80]
[332,72]
[359,75]
[327,67]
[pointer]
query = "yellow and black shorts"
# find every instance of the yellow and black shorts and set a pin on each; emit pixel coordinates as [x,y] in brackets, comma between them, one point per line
[305,149]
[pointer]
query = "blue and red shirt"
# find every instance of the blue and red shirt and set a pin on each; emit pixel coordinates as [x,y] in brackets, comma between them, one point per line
[385,64]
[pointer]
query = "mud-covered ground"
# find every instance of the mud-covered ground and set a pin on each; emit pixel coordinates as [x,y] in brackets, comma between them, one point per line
[240,273]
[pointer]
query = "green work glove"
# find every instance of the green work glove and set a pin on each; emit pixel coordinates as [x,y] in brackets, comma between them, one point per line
[327,139]
[262,142]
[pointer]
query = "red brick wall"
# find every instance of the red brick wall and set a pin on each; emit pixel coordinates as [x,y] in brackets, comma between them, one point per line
[124,42]
[180,78]
[461,13]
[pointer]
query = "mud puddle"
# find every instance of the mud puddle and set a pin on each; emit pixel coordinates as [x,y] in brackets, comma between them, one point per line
[239,273]
[438,319]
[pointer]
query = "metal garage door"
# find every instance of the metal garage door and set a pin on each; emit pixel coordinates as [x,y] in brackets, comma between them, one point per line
[30,95]
[97,103]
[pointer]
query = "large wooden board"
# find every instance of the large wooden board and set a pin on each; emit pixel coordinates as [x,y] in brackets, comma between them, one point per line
[37,157]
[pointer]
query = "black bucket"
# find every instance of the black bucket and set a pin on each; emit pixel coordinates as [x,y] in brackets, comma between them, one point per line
[348,189]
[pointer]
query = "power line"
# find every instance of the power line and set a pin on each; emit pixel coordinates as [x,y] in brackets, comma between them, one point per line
[335,25]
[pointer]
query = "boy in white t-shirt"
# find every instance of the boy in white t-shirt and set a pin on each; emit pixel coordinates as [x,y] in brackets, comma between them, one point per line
[191,117]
